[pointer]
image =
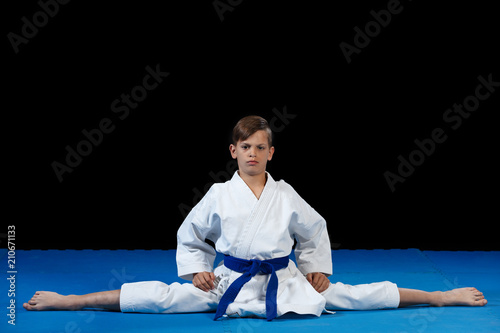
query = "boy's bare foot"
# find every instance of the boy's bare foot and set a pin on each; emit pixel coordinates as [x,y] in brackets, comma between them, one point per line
[48,300]
[461,296]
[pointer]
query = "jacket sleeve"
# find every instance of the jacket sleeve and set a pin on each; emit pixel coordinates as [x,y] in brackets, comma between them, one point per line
[194,255]
[313,252]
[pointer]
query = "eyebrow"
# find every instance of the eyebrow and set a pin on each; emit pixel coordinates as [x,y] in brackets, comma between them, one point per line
[248,144]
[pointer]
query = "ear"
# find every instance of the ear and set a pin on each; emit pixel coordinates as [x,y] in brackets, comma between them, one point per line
[271,153]
[232,150]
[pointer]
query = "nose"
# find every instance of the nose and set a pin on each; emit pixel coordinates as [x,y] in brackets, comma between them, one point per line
[253,152]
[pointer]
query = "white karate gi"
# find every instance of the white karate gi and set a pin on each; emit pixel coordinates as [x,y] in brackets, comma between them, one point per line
[244,227]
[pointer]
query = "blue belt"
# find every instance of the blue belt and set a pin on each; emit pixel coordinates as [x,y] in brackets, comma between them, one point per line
[250,268]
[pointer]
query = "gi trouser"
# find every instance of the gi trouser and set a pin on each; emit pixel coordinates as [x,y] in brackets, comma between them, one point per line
[158,297]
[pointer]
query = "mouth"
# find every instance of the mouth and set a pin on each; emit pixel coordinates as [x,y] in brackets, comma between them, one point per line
[252,162]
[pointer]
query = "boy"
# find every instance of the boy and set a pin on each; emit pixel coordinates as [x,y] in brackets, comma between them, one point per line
[253,220]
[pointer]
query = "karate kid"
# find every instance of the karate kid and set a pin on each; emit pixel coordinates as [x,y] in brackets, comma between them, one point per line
[253,220]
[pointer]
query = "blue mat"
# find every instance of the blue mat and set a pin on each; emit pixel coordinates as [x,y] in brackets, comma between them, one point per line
[85,271]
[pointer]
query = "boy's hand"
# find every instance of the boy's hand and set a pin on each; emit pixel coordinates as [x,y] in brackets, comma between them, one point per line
[319,281]
[204,280]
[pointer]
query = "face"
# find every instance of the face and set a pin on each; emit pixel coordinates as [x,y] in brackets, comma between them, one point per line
[253,153]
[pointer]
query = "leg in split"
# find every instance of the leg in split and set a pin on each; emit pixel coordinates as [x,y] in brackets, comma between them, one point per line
[145,297]
[382,295]
[156,297]
[462,296]
[48,300]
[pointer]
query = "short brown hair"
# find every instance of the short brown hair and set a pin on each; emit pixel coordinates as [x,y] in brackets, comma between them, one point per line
[249,125]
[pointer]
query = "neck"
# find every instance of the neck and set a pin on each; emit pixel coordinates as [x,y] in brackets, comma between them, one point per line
[255,182]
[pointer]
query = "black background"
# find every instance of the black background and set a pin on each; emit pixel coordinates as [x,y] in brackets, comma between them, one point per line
[352,120]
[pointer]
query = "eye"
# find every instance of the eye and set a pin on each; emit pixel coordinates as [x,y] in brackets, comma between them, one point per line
[261,148]
[244,147]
